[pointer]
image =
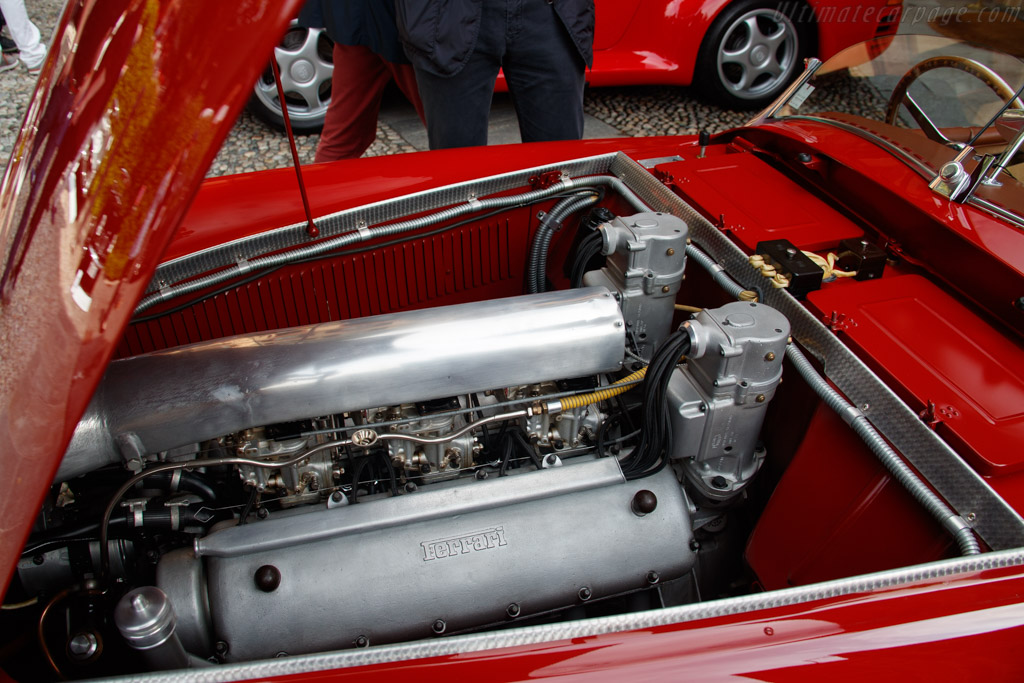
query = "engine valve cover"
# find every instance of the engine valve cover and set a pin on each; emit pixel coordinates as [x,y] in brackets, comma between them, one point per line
[442,561]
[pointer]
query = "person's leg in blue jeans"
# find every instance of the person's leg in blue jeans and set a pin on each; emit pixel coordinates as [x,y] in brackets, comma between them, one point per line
[545,74]
[458,107]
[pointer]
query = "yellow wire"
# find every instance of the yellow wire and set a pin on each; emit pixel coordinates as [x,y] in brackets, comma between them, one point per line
[828,264]
[778,280]
[602,394]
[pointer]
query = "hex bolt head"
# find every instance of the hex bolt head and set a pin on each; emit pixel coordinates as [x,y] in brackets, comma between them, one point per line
[513,610]
[267,578]
[670,252]
[666,289]
[438,626]
[337,496]
[719,482]
[362,641]
[83,645]
[262,513]
[481,474]
[760,398]
[644,503]
[220,648]
[585,593]
[410,487]
[653,577]
[770,356]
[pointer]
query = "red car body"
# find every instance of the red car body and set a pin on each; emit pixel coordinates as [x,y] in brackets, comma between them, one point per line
[106,182]
[641,42]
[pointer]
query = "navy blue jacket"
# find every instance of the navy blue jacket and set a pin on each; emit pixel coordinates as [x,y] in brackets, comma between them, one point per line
[439,35]
[370,23]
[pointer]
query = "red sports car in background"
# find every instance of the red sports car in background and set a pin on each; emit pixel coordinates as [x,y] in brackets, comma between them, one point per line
[740,53]
[636,409]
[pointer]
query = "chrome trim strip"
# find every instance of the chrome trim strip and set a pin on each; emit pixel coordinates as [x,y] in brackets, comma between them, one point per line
[995,521]
[996,210]
[455,645]
[254,246]
[905,157]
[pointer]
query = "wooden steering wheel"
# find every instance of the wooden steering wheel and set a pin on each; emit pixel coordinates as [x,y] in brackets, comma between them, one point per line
[900,96]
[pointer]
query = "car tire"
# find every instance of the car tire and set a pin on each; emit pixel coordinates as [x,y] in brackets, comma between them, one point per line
[304,57]
[753,50]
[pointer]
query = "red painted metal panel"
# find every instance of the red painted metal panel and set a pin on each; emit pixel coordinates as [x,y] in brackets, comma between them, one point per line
[233,207]
[837,512]
[116,141]
[935,349]
[759,202]
[913,221]
[452,267]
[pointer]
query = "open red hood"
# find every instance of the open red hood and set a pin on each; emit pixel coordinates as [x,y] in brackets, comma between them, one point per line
[130,110]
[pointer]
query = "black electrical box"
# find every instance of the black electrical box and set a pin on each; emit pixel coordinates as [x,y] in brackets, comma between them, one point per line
[859,255]
[804,275]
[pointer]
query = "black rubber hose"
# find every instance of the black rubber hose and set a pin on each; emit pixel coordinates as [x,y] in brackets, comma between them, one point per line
[189,482]
[652,452]
[550,223]
[391,471]
[589,247]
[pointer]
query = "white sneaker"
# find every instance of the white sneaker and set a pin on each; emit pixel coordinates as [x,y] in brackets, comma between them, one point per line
[8,62]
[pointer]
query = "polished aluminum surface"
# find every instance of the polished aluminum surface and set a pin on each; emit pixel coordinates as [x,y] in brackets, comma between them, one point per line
[995,520]
[466,569]
[425,505]
[144,617]
[166,399]
[181,578]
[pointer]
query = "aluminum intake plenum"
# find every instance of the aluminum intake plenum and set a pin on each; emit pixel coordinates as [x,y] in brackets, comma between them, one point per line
[164,400]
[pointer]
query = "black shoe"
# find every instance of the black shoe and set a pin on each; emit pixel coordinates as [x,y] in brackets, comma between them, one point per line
[8,45]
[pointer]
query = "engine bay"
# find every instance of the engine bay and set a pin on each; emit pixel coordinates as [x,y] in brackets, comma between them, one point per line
[568,438]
